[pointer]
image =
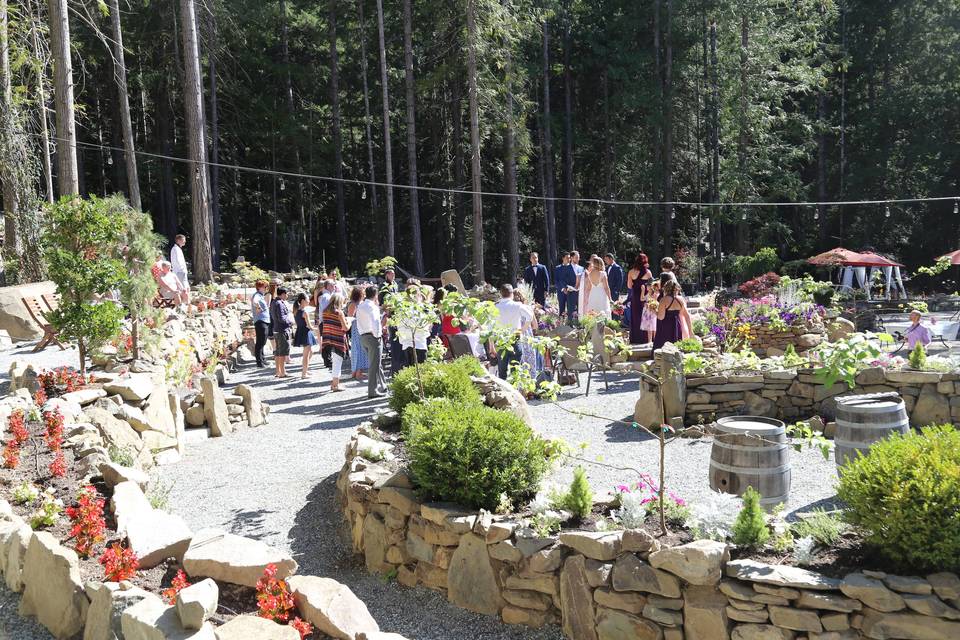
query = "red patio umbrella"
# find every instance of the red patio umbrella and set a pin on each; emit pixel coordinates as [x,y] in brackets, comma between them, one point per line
[835,257]
[954,257]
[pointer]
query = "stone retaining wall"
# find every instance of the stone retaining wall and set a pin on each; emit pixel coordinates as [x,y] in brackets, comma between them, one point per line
[620,585]
[770,342]
[930,398]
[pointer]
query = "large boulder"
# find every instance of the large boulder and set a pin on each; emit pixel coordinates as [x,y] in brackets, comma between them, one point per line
[331,607]
[157,535]
[133,387]
[225,557]
[53,591]
[471,580]
[648,410]
[14,317]
[114,474]
[577,600]
[500,394]
[215,407]
[14,552]
[932,407]
[699,562]
[673,384]
[255,409]
[197,602]
[108,601]
[128,504]
[255,628]
[115,431]
[152,619]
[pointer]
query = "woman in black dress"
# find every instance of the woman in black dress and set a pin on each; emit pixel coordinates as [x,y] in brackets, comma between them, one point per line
[304,336]
[642,321]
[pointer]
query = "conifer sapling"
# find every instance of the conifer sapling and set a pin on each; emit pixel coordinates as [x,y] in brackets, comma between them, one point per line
[750,529]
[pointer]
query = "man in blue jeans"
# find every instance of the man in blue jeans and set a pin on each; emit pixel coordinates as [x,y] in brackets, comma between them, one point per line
[513,315]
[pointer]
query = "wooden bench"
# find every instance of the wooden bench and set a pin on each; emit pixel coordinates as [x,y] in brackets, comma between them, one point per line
[40,317]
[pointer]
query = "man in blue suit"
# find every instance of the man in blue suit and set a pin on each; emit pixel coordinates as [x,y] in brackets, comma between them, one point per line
[566,281]
[536,276]
[561,292]
[614,276]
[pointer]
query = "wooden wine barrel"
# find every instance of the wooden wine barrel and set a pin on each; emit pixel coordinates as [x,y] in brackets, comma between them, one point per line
[751,451]
[865,419]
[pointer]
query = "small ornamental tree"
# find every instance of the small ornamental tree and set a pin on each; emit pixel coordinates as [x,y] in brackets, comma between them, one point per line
[79,241]
[138,248]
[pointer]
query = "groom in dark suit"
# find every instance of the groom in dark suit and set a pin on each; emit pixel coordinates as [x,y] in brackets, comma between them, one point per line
[564,259]
[536,275]
[567,278]
[614,276]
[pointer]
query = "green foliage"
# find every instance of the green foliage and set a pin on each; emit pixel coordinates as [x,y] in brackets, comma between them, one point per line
[121,456]
[844,359]
[81,241]
[763,261]
[694,363]
[918,357]
[905,495]
[248,273]
[805,435]
[450,380]
[436,351]
[579,499]
[823,527]
[48,512]
[941,265]
[545,524]
[472,455]
[378,267]
[159,494]
[692,344]
[750,528]
[25,493]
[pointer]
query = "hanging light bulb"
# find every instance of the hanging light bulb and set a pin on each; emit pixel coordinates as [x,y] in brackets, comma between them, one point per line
[744,216]
[816,213]
[598,208]
[519,205]
[443,202]
[110,159]
[673,213]
[283,185]
[886,211]
[363,193]
[956,207]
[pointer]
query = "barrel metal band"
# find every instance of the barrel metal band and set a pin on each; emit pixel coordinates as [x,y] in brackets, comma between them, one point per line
[740,447]
[750,471]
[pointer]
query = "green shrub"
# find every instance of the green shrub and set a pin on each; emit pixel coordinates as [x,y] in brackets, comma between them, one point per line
[918,357]
[906,497]
[579,500]
[449,380]
[821,526]
[473,455]
[750,528]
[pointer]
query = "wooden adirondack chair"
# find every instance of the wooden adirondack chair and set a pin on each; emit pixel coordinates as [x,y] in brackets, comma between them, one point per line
[52,300]
[38,315]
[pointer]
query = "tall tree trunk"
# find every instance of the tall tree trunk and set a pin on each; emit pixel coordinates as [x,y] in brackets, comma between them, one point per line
[717,226]
[510,176]
[743,231]
[475,142]
[11,209]
[387,151]
[547,149]
[199,176]
[294,142]
[374,205]
[656,239]
[126,126]
[568,191]
[337,142]
[668,211]
[412,138]
[166,223]
[68,177]
[42,100]
[215,222]
[459,178]
[541,171]
[822,166]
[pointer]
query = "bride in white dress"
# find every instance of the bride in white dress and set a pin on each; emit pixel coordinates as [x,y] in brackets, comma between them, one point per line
[596,290]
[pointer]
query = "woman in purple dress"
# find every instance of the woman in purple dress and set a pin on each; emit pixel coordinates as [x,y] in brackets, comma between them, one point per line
[638,282]
[671,315]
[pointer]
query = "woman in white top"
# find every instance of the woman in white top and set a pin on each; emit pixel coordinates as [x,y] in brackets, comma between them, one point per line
[413,338]
[596,291]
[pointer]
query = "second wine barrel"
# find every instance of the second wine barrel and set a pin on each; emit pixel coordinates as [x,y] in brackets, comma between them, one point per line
[865,419]
[751,451]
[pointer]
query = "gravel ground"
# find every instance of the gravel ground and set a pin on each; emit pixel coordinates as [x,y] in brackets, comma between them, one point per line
[611,442]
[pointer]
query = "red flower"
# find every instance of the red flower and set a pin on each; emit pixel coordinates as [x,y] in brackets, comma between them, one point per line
[274,600]
[119,563]
[179,583]
[87,520]
[17,427]
[303,627]
[54,434]
[11,455]
[58,468]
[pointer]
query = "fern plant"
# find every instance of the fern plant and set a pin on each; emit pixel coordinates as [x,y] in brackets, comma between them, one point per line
[750,528]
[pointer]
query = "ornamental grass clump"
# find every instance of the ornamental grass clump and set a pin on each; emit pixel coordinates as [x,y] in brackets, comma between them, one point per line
[450,380]
[472,455]
[750,528]
[905,495]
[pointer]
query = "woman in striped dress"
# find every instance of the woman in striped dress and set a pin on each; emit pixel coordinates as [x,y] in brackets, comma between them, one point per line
[335,341]
[358,357]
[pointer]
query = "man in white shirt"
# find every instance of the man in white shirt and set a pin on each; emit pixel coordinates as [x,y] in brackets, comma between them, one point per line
[513,316]
[178,263]
[170,286]
[370,328]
